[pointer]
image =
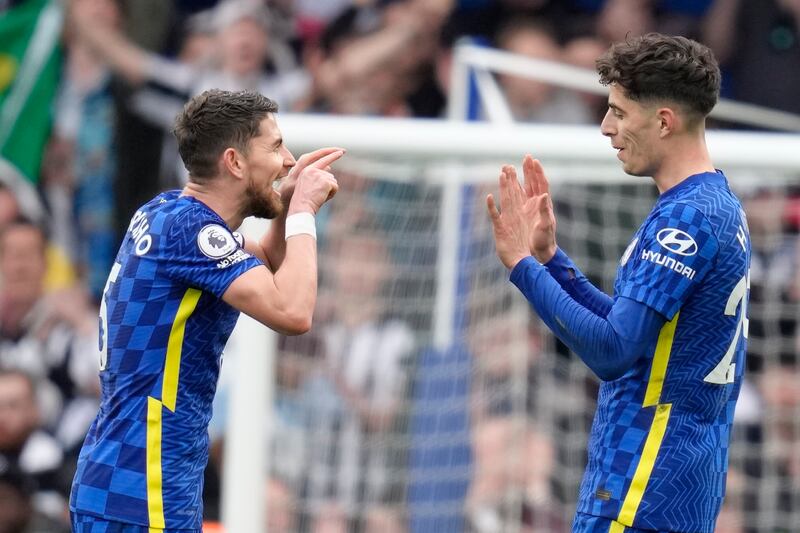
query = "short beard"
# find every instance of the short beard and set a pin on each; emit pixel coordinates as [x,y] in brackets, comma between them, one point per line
[259,205]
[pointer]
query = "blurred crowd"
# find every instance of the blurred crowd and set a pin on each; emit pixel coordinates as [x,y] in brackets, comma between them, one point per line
[370,423]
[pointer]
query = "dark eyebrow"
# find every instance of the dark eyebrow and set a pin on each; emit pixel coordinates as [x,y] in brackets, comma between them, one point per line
[615,107]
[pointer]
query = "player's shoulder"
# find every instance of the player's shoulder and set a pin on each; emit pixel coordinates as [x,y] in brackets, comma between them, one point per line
[703,198]
[707,193]
[193,222]
[172,221]
[703,208]
[158,212]
[171,212]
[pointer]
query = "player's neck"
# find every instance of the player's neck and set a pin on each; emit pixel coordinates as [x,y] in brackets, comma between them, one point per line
[218,199]
[686,157]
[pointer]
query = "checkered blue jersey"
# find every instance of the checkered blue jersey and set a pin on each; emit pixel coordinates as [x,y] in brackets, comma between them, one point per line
[163,327]
[658,448]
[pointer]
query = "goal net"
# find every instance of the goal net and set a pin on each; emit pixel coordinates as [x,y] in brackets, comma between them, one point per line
[429,397]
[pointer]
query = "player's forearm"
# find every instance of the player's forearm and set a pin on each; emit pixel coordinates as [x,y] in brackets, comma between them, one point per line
[572,280]
[609,353]
[296,280]
[273,243]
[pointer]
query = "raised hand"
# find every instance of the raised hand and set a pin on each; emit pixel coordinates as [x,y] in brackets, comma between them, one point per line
[543,237]
[314,183]
[287,185]
[512,227]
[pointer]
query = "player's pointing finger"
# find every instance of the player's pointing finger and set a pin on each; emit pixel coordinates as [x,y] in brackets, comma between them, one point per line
[311,157]
[328,160]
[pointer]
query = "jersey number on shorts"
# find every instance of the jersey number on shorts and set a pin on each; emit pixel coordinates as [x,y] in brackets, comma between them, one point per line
[112,277]
[725,371]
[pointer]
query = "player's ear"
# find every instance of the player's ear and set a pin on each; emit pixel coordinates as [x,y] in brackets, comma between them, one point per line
[668,121]
[232,162]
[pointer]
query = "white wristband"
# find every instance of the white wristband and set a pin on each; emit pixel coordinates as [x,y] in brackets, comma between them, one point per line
[300,223]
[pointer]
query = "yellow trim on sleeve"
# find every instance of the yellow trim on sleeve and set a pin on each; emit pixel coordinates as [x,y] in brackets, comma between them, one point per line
[172,366]
[658,370]
[155,497]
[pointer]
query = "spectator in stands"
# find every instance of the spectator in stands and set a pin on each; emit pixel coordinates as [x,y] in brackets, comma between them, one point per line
[774,261]
[329,518]
[355,396]
[17,512]
[53,337]
[513,465]
[514,459]
[731,516]
[79,167]
[242,46]
[758,45]
[780,388]
[9,207]
[619,19]
[24,446]
[532,100]
[241,49]
[59,272]
[297,359]
[383,519]
[369,61]
[583,52]
[158,105]
[281,506]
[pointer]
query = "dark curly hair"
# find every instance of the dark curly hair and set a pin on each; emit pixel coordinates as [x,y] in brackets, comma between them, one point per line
[656,67]
[215,120]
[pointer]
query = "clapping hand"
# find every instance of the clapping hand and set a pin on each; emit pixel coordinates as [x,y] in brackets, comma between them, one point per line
[526,224]
[543,237]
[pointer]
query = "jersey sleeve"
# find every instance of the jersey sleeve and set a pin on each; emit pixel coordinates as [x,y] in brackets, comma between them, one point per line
[205,254]
[677,249]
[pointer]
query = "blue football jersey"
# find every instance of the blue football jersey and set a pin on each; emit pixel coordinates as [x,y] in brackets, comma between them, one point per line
[163,326]
[658,449]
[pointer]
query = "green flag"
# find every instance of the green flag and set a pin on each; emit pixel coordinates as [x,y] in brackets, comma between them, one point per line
[29,69]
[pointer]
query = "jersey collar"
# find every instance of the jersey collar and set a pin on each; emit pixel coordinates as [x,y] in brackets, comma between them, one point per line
[716,178]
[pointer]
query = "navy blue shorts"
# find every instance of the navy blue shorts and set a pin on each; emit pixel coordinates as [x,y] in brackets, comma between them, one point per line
[92,524]
[585,523]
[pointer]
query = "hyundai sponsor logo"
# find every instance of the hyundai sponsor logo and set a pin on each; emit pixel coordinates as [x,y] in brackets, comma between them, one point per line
[677,241]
